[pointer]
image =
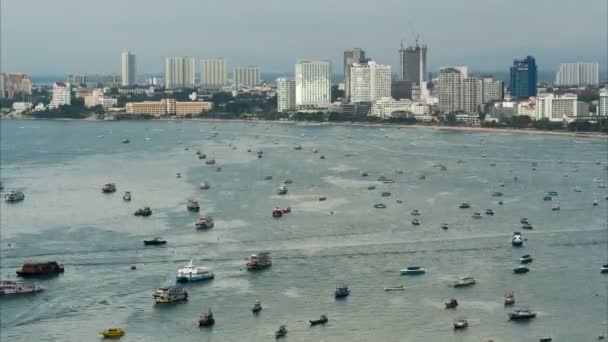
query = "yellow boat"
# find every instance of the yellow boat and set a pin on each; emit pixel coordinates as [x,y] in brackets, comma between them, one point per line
[112,332]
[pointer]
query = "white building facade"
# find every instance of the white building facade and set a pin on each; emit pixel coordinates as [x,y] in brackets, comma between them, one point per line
[577,74]
[387,107]
[128,69]
[61,95]
[313,83]
[369,82]
[246,76]
[286,95]
[556,108]
[213,73]
[179,72]
[602,104]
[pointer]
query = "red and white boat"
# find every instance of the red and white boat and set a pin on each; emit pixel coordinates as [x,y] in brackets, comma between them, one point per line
[204,223]
[277,212]
[8,287]
[259,261]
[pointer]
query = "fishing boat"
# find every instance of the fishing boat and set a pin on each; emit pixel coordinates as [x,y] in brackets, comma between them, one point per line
[108,188]
[38,269]
[170,294]
[517,240]
[604,269]
[521,269]
[464,282]
[112,333]
[490,212]
[206,319]
[547,198]
[14,196]
[342,291]
[281,332]
[191,273]
[282,190]
[204,223]
[452,303]
[322,320]
[9,287]
[193,205]
[156,241]
[126,141]
[277,212]
[257,307]
[210,162]
[127,196]
[394,288]
[476,215]
[415,222]
[415,212]
[145,211]
[524,220]
[464,206]
[259,261]
[509,298]
[413,270]
[521,314]
[525,259]
[444,226]
[204,185]
[460,323]
[527,226]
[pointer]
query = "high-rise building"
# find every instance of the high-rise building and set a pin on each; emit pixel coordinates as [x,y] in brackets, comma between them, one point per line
[179,72]
[556,107]
[449,89]
[19,86]
[356,55]
[2,85]
[522,82]
[602,104]
[286,95]
[94,80]
[470,99]
[459,93]
[577,74]
[213,73]
[370,82]
[61,95]
[248,76]
[128,69]
[412,63]
[313,83]
[490,89]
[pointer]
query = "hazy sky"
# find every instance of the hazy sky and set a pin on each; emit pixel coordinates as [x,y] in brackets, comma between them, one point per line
[63,36]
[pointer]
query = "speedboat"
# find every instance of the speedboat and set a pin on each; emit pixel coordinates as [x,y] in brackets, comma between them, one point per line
[268,178]
[204,185]
[156,241]
[394,288]
[460,323]
[257,307]
[322,320]
[489,212]
[342,291]
[525,259]
[315,150]
[281,332]
[464,281]
[277,212]
[517,239]
[464,206]
[476,215]
[521,269]
[509,298]
[9,287]
[282,190]
[413,270]
[193,205]
[170,294]
[380,206]
[322,157]
[108,188]
[415,222]
[113,333]
[521,314]
[204,223]
[14,196]
[206,319]
[415,212]
[145,211]
[259,261]
[604,269]
[451,304]
[127,196]
[444,226]
[371,187]
[363,174]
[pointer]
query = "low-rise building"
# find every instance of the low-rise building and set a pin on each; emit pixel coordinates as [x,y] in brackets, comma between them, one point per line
[168,107]
[183,108]
[556,107]
[20,107]
[387,107]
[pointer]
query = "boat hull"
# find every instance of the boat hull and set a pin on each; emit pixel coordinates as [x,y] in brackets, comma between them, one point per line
[412,272]
[193,279]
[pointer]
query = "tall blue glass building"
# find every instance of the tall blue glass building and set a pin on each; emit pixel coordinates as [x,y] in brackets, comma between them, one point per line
[522,82]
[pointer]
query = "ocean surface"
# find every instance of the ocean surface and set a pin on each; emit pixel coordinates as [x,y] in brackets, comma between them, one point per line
[61,165]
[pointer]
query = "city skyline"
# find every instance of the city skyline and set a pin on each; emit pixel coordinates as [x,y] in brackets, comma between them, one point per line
[488,43]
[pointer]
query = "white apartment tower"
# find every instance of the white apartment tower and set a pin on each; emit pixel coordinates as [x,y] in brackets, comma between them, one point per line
[247,76]
[449,89]
[369,82]
[213,73]
[128,69]
[179,72]
[602,104]
[286,95]
[61,95]
[577,74]
[313,83]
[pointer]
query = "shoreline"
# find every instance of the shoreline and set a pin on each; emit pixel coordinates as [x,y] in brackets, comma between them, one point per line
[360,124]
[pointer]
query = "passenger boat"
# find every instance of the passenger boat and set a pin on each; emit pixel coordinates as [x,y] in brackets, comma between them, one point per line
[489,212]
[14,196]
[210,162]
[36,269]
[509,298]
[476,215]
[460,323]
[451,304]
[204,223]
[257,307]
[282,190]
[413,270]
[444,226]
[322,320]
[464,206]
[521,269]
[206,319]
[521,314]
[156,241]
[604,269]
[277,212]
[145,211]
[112,333]
[259,261]
[191,273]
[517,239]
[204,185]
[193,205]
[108,188]
[170,294]
[9,287]
[464,282]
[415,212]
[342,291]
[525,259]
[281,332]
[415,222]
[127,196]
[394,288]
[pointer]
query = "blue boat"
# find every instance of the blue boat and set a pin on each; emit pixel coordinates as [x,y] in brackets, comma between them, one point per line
[413,270]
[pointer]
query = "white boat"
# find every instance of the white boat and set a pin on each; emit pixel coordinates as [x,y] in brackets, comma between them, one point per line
[190,273]
[14,196]
[517,239]
[464,281]
[282,190]
[8,287]
[204,186]
[413,270]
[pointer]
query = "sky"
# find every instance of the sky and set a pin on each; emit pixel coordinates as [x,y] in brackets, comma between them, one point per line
[56,37]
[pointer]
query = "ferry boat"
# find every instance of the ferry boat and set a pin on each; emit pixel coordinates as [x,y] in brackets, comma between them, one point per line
[127,196]
[191,273]
[517,240]
[206,319]
[8,287]
[193,205]
[521,314]
[204,223]
[34,269]
[413,270]
[108,188]
[259,261]
[156,241]
[282,190]
[204,185]
[14,196]
[170,294]
[112,333]
[464,281]
[342,291]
